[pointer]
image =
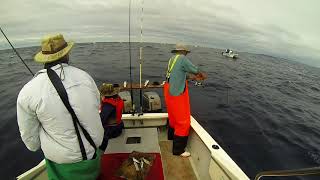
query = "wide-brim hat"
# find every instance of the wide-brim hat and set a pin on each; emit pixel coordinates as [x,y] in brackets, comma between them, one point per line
[53,47]
[180,47]
[109,89]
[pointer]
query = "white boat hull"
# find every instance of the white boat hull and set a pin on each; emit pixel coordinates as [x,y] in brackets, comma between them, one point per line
[230,55]
[208,163]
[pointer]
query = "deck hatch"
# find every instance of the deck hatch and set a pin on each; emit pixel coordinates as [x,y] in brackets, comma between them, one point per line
[133,140]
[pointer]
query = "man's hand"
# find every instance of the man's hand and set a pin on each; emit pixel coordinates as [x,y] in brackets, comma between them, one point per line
[201,76]
[198,77]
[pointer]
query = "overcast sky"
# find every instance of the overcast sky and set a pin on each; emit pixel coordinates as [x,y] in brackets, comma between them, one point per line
[286,28]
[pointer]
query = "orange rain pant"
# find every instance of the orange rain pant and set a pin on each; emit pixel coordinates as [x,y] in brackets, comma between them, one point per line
[178,108]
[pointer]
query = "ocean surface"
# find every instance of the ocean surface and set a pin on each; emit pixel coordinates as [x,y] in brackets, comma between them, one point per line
[264,111]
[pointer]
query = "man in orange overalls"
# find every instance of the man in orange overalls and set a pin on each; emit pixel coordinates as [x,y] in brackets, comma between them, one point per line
[177,98]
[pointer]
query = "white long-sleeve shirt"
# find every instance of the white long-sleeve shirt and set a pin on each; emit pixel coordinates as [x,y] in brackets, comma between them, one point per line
[45,122]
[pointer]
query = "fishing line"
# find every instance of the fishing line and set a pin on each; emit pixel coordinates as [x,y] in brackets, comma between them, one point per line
[200,83]
[14,49]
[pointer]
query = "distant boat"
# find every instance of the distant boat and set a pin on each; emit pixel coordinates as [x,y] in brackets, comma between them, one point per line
[229,53]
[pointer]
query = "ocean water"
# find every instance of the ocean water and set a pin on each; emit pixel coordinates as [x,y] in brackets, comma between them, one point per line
[264,111]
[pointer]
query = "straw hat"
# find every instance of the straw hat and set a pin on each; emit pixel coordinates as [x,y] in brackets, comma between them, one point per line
[180,47]
[53,47]
[109,89]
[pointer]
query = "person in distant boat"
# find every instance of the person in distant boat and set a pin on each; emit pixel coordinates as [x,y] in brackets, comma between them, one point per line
[177,97]
[111,112]
[58,111]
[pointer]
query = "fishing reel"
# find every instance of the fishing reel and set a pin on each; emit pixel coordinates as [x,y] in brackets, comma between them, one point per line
[199,83]
[198,80]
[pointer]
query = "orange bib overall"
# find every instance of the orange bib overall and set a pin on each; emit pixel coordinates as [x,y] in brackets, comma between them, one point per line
[178,108]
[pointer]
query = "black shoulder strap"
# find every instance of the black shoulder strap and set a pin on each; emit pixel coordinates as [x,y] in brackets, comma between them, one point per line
[57,83]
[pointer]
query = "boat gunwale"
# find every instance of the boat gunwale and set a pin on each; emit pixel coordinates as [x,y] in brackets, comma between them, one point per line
[218,155]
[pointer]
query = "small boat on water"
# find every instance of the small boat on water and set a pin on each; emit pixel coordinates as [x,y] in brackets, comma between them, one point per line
[229,53]
[147,133]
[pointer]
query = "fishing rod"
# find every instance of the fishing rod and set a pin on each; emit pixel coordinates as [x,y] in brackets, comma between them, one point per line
[131,91]
[140,58]
[14,49]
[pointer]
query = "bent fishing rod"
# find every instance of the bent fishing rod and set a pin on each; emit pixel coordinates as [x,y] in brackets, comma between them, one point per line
[14,49]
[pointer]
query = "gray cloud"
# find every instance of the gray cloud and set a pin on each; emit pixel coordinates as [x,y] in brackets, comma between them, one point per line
[201,22]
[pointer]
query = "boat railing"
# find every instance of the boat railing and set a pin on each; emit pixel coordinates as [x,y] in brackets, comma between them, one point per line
[286,173]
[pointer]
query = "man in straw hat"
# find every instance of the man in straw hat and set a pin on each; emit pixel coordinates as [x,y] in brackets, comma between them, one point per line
[177,97]
[58,111]
[111,112]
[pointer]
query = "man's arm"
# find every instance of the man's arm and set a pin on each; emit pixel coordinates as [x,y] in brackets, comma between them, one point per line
[195,73]
[189,67]
[29,125]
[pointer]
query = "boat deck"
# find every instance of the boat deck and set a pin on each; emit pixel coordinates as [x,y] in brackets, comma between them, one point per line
[147,134]
[175,167]
[154,141]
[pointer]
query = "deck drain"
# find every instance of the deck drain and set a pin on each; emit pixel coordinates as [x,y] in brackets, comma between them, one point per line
[215,146]
[133,140]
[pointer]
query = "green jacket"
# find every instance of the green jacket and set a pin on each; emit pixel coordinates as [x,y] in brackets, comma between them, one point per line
[178,74]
